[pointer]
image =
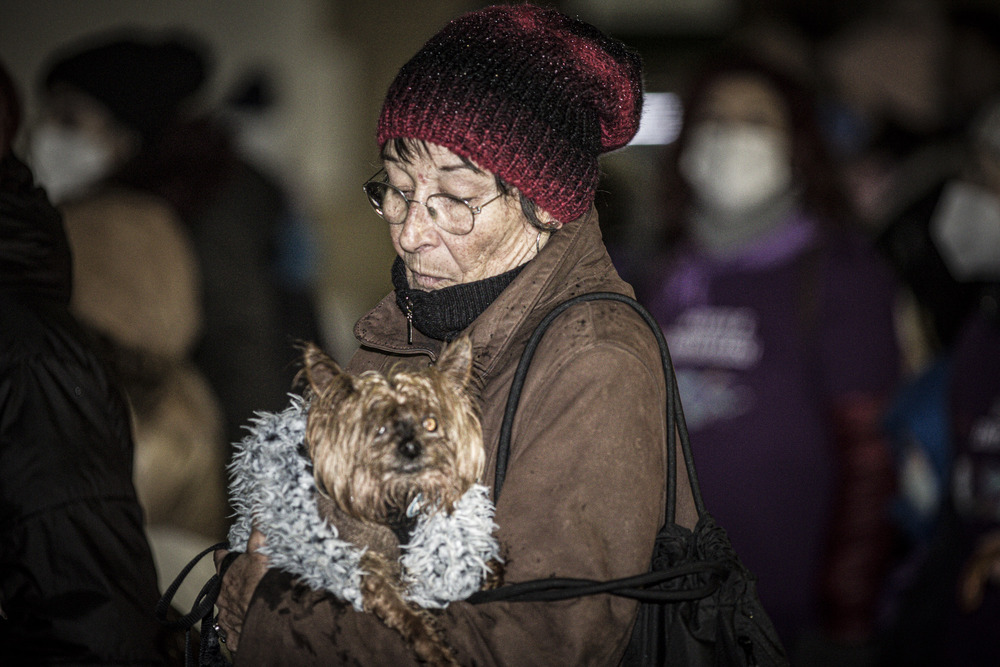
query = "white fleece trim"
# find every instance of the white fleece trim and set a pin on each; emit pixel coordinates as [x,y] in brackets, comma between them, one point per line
[271,485]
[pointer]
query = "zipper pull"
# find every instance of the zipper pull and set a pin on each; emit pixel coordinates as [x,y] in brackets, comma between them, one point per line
[409,321]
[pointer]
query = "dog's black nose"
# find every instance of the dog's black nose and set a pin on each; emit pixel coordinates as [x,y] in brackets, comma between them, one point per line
[409,448]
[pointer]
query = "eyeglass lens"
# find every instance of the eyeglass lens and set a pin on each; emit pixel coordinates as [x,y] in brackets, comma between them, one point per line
[449,213]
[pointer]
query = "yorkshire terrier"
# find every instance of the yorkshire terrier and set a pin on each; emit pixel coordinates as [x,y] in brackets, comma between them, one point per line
[385,448]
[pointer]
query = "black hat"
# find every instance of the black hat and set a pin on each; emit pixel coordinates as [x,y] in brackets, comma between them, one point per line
[142,82]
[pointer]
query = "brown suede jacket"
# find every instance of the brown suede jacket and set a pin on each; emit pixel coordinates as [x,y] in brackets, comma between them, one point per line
[584,492]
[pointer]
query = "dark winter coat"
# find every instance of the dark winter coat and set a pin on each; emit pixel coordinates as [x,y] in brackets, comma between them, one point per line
[77,580]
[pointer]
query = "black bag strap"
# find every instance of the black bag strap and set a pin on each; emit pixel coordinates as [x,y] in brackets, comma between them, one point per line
[203,605]
[676,426]
[645,587]
[639,587]
[203,602]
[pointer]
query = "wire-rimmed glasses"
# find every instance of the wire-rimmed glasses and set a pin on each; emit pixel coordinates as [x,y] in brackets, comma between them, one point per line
[450,213]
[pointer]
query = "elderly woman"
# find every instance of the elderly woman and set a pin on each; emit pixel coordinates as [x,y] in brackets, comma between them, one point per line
[490,137]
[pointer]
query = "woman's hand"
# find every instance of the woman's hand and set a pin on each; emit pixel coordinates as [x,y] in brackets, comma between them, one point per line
[238,584]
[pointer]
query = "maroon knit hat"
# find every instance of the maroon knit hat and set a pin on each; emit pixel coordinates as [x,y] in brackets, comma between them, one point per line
[527,93]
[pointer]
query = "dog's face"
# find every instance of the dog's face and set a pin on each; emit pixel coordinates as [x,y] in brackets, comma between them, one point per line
[378,442]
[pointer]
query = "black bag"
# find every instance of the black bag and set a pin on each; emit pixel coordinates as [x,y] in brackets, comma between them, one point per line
[698,603]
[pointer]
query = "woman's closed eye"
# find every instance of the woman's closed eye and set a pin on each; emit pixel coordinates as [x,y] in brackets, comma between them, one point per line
[410,194]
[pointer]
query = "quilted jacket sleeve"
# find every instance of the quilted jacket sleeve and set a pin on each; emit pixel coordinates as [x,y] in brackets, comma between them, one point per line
[77,580]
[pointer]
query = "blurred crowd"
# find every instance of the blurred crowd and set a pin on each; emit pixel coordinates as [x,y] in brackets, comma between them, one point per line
[190,279]
[826,271]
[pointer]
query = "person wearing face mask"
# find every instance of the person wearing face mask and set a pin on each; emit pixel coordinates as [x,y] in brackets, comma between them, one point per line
[136,276]
[124,122]
[105,101]
[780,325]
[950,608]
[71,160]
[965,225]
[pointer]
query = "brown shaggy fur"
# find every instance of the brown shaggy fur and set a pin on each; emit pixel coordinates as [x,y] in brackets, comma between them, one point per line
[379,443]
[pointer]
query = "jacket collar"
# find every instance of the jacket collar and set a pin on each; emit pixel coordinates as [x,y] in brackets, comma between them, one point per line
[574,261]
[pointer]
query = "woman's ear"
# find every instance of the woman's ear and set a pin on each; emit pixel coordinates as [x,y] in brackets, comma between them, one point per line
[546,219]
[540,215]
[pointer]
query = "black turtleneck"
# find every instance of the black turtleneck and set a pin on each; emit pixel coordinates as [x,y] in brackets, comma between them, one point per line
[444,313]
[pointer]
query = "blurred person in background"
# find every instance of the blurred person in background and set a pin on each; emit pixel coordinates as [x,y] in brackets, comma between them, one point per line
[250,113]
[77,579]
[137,280]
[120,111]
[923,89]
[905,88]
[780,324]
[948,609]
[969,80]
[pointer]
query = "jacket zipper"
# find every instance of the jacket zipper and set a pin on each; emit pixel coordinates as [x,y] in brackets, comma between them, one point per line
[409,320]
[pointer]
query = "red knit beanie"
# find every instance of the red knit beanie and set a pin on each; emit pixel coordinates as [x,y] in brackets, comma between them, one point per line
[527,93]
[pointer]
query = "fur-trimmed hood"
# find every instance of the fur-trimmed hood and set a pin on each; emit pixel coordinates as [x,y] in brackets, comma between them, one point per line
[272,487]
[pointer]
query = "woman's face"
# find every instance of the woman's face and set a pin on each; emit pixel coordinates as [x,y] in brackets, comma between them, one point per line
[746,99]
[76,111]
[501,239]
[738,154]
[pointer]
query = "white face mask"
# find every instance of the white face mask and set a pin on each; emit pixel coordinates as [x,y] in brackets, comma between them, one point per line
[966,231]
[66,162]
[736,167]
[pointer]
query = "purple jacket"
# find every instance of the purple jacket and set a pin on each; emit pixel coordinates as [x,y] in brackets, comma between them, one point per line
[783,354]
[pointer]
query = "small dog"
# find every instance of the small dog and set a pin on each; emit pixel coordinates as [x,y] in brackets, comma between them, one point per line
[385,448]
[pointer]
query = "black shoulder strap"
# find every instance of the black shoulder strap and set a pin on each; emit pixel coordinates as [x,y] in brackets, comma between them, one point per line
[202,609]
[696,580]
[676,427]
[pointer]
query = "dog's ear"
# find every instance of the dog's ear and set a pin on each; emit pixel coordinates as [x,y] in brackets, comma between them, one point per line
[456,360]
[320,371]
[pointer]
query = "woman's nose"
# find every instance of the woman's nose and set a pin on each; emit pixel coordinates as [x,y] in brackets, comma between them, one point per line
[417,228]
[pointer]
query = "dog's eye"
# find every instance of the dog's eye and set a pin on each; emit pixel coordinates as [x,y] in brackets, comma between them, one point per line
[430,424]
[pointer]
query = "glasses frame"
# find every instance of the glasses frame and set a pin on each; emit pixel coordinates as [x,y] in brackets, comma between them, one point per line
[474,210]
